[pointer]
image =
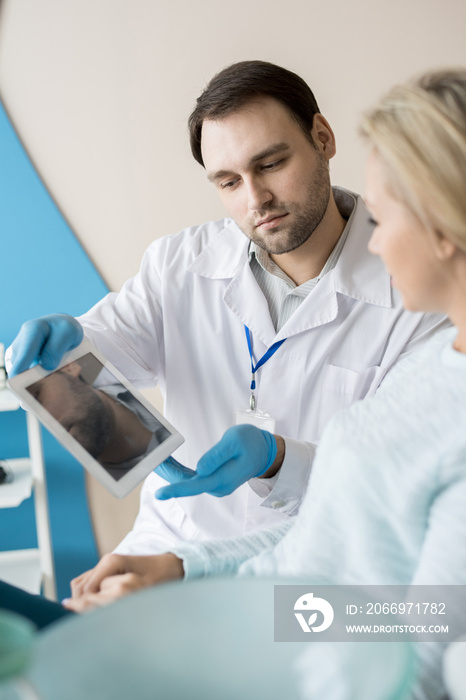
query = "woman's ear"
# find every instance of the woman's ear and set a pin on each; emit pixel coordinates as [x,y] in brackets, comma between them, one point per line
[444,248]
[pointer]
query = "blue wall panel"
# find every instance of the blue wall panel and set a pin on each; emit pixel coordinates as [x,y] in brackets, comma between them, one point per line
[43,269]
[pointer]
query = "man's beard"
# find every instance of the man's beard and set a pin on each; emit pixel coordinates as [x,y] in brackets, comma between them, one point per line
[306,218]
[92,424]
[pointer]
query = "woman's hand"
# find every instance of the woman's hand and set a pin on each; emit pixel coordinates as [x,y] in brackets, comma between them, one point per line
[116,576]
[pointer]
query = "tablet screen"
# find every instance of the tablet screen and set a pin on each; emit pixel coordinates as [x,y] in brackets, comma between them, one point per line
[100,413]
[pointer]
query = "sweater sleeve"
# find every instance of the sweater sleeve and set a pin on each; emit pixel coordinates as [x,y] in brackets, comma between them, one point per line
[443,563]
[224,557]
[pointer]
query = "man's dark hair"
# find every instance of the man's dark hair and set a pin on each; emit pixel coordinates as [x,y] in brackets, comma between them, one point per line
[242,82]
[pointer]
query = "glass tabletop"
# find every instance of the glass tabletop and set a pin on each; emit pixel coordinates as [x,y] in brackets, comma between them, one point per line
[204,639]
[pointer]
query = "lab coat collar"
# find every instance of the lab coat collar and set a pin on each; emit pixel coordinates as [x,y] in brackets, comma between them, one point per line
[225,254]
[357,274]
[227,257]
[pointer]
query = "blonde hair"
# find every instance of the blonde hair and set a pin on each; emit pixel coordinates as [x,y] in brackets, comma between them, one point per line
[419,132]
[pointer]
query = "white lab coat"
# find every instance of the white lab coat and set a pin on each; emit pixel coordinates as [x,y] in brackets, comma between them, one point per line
[180,323]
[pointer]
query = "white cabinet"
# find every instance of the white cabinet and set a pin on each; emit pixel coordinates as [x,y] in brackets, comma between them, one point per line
[31,569]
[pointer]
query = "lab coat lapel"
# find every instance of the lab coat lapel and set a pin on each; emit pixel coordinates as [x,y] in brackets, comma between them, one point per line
[227,258]
[319,307]
[245,299]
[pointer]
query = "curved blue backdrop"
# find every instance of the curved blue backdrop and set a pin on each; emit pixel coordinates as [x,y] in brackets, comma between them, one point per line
[43,269]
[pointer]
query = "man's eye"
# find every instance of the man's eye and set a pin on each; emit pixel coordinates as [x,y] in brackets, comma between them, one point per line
[271,166]
[228,185]
[373,222]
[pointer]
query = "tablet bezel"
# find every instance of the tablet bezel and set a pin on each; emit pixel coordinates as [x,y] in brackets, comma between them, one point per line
[19,385]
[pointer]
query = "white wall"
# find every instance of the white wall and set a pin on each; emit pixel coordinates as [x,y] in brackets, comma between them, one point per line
[100,91]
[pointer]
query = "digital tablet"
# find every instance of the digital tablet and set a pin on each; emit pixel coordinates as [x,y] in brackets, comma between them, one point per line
[93,411]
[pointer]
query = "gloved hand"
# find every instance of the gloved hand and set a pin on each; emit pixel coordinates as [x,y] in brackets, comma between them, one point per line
[243,452]
[44,341]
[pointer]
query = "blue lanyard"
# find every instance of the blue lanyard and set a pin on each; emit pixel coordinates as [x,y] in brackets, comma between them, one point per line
[271,351]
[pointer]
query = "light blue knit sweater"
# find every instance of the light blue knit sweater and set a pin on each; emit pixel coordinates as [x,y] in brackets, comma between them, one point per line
[386,502]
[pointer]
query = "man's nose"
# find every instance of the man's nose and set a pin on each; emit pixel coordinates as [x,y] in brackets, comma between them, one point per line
[259,195]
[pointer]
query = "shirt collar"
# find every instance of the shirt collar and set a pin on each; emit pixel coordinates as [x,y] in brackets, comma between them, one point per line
[357,274]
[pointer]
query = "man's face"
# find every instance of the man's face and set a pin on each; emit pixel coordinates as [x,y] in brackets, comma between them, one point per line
[273,182]
[77,406]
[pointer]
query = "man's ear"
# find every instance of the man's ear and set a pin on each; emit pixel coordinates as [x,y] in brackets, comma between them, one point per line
[72,368]
[323,136]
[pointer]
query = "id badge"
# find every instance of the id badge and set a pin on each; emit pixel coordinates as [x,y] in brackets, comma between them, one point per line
[261,419]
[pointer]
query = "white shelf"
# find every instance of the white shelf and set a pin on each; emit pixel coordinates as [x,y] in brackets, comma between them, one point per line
[31,569]
[8,401]
[22,568]
[15,492]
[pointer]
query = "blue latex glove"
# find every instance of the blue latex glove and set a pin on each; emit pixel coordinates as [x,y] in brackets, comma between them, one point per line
[44,341]
[243,452]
